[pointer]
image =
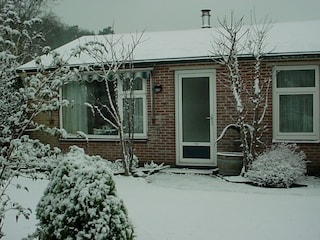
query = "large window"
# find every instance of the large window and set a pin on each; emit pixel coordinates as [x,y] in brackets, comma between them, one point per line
[94,90]
[296,103]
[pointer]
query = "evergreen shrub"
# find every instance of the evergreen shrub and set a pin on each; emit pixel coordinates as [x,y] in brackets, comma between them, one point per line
[80,202]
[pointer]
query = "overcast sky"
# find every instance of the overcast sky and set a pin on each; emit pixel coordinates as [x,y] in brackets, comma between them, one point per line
[161,15]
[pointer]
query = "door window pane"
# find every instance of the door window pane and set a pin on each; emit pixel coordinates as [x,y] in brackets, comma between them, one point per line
[195,109]
[201,152]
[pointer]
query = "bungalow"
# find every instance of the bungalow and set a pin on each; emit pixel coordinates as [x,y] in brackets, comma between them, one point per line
[181,104]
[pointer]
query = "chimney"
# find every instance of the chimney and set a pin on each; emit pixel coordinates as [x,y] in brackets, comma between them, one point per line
[206,18]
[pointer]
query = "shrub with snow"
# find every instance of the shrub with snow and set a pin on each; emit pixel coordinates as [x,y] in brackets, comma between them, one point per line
[279,166]
[80,202]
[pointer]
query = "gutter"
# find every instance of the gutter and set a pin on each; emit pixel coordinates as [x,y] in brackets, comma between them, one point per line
[288,55]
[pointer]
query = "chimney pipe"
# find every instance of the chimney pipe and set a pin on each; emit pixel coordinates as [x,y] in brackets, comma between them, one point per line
[206,18]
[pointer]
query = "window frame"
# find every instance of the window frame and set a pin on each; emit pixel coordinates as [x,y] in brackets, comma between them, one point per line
[137,94]
[120,96]
[280,91]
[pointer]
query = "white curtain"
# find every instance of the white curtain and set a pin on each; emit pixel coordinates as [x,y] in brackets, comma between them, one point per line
[137,116]
[296,113]
[75,116]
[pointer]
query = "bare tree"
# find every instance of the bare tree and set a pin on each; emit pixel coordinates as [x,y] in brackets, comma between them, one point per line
[250,96]
[114,64]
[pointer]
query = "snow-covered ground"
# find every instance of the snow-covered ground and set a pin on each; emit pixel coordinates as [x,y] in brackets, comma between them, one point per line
[189,206]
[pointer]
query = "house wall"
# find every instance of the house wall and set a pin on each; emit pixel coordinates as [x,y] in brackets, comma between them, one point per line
[160,143]
[226,111]
[50,119]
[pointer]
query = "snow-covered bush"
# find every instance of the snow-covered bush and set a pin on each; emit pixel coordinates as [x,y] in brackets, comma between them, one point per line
[279,166]
[22,99]
[80,202]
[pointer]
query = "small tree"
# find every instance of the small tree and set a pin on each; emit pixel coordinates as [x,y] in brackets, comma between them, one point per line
[113,64]
[250,96]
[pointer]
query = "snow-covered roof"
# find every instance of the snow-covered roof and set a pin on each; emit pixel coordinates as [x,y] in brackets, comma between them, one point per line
[284,39]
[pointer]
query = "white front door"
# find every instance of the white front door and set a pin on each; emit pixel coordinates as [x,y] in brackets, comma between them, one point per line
[195,117]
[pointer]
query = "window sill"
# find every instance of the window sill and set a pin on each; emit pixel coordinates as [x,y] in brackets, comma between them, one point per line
[294,141]
[93,139]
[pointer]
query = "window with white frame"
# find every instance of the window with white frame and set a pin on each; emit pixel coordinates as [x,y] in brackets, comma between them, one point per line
[296,103]
[92,89]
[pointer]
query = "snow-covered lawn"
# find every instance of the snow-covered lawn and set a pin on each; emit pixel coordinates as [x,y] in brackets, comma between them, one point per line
[189,206]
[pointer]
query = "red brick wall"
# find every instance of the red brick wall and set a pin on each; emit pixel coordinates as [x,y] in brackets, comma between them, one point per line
[50,119]
[160,144]
[226,112]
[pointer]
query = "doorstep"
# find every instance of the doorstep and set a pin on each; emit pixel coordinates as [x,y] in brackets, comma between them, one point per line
[188,171]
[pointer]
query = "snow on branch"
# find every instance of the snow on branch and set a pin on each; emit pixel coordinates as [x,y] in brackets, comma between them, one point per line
[249,88]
